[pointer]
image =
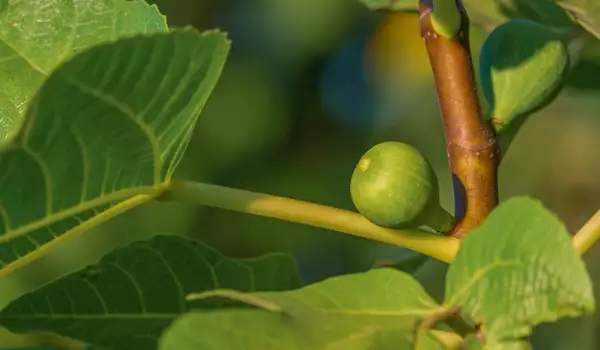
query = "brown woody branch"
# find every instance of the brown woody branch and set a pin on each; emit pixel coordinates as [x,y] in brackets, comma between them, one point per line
[470,141]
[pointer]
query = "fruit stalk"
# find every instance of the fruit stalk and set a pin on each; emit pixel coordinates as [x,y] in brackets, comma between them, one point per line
[470,141]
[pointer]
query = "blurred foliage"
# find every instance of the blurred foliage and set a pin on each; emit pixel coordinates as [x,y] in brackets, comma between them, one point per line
[309,86]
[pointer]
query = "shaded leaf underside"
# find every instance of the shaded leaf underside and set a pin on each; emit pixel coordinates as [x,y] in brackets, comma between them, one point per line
[132,294]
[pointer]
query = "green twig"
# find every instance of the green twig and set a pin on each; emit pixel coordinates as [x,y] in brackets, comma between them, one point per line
[438,247]
[588,234]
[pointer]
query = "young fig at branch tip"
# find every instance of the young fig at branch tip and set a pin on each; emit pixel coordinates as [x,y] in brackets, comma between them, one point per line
[521,65]
[394,186]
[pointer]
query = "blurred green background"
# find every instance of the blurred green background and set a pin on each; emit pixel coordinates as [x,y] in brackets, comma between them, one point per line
[308,87]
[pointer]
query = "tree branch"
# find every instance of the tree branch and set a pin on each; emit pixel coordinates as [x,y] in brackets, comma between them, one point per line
[436,246]
[470,141]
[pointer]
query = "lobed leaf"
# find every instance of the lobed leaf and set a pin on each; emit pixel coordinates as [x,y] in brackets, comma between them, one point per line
[104,133]
[518,269]
[378,309]
[37,35]
[128,298]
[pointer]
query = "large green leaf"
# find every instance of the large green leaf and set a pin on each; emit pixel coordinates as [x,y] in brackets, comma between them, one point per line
[516,270]
[585,12]
[378,309]
[132,294]
[37,35]
[107,127]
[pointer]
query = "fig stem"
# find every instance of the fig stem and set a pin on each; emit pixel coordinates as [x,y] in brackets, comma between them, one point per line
[441,220]
[589,233]
[436,246]
[470,140]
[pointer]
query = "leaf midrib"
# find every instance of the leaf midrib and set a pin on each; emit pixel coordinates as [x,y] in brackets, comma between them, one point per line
[17,232]
[479,274]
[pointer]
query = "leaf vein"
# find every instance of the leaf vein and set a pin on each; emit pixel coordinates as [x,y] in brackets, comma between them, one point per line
[27,60]
[478,274]
[72,211]
[176,280]
[85,161]
[46,175]
[138,290]
[131,115]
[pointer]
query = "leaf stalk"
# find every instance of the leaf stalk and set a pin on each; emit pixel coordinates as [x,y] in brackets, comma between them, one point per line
[589,233]
[317,215]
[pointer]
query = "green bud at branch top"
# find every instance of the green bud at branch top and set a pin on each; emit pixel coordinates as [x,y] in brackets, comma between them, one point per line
[446,18]
[521,66]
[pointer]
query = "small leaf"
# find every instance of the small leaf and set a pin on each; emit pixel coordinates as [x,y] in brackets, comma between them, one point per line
[518,269]
[374,310]
[132,294]
[37,35]
[491,13]
[521,67]
[392,5]
[105,133]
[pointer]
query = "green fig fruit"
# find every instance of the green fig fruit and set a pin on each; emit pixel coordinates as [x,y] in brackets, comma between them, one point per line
[521,66]
[394,186]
